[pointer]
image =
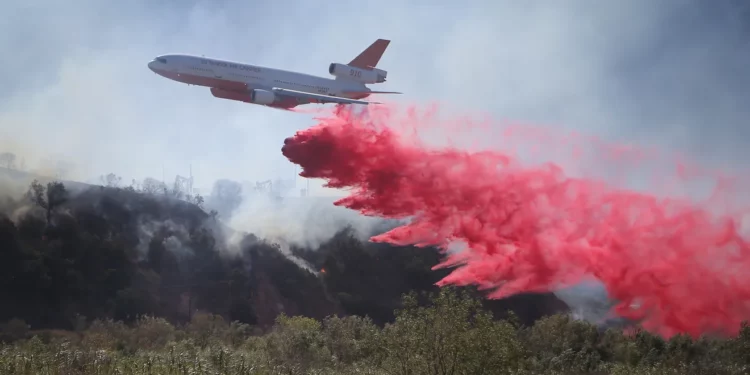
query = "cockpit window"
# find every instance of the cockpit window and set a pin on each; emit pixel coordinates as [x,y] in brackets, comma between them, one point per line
[161,60]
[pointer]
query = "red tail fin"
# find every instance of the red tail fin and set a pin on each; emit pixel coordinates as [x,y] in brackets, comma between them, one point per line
[370,57]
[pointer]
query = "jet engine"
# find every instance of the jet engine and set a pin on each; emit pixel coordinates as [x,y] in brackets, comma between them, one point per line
[366,76]
[262,96]
[255,96]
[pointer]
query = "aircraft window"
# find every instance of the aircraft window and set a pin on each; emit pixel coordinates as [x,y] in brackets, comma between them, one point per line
[161,60]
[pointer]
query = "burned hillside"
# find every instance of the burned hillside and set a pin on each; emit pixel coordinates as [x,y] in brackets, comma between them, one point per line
[108,252]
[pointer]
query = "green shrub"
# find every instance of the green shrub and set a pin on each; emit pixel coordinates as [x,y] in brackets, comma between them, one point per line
[449,335]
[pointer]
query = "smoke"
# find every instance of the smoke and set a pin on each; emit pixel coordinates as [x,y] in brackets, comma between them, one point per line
[668,74]
[303,222]
[174,236]
[12,185]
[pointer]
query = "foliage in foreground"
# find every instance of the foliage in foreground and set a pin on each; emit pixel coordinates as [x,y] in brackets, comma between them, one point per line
[451,335]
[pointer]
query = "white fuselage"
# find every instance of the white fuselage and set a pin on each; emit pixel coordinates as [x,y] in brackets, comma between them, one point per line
[238,78]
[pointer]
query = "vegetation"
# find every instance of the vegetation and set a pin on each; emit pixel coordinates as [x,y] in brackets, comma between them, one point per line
[110,252]
[451,335]
[142,280]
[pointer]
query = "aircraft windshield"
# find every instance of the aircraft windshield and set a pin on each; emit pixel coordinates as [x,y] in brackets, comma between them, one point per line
[161,60]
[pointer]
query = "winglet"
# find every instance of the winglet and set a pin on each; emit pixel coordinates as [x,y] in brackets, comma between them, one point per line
[370,57]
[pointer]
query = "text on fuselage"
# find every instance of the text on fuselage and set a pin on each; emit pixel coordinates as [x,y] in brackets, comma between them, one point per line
[231,65]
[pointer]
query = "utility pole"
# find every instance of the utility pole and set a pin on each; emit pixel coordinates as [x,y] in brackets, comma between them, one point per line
[190,187]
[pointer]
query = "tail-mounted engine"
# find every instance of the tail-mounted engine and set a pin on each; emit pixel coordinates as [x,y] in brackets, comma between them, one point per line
[367,76]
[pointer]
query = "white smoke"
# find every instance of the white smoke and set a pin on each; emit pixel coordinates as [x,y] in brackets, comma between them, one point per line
[300,221]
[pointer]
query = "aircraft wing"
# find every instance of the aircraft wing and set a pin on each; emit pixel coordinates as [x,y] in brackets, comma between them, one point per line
[318,98]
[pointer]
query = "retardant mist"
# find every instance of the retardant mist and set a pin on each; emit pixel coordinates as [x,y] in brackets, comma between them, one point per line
[676,265]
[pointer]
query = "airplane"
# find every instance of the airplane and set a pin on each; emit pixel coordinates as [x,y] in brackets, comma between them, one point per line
[276,88]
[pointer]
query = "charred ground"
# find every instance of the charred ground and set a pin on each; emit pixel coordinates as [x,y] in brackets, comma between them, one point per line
[73,252]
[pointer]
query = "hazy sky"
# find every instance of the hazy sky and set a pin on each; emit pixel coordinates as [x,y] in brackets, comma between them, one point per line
[75,85]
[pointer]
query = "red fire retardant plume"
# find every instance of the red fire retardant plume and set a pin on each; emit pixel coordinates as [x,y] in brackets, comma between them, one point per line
[669,263]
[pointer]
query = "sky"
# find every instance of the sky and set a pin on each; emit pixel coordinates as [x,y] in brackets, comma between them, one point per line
[75,86]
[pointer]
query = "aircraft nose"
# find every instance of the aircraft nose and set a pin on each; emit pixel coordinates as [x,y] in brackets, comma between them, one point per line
[151,65]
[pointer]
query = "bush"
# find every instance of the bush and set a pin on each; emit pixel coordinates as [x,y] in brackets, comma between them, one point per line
[14,329]
[451,334]
[296,345]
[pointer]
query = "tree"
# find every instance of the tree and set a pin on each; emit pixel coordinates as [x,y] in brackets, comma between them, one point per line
[226,196]
[452,336]
[7,159]
[350,339]
[135,185]
[152,186]
[296,344]
[198,200]
[195,199]
[111,180]
[48,198]
[63,168]
[176,193]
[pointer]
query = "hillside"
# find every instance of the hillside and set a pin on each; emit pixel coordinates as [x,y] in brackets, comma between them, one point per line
[113,280]
[120,253]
